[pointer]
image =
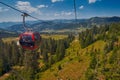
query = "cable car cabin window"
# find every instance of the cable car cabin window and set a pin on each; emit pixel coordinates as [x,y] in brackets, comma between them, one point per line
[26,40]
[37,39]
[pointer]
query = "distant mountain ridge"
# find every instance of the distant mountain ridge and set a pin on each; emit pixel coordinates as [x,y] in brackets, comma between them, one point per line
[64,24]
[6,33]
[5,25]
[105,19]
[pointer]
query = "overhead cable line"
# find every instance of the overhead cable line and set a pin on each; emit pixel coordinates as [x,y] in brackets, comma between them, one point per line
[75,11]
[20,11]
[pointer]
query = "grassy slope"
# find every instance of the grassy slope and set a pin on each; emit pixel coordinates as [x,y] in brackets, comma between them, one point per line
[9,40]
[74,65]
[56,37]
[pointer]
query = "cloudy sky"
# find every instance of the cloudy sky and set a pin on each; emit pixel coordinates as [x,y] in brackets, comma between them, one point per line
[59,9]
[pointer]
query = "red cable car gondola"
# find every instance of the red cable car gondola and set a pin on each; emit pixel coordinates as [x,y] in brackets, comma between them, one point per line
[30,40]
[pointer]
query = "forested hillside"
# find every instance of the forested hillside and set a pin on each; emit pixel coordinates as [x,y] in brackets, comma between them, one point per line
[93,55]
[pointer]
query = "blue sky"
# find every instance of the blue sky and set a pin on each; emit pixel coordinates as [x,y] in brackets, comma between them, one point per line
[59,9]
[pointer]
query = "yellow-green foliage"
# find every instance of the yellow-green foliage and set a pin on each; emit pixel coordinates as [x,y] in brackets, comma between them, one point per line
[74,65]
[9,40]
[56,37]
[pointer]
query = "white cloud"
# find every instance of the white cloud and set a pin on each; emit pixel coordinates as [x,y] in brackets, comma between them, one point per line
[66,13]
[3,9]
[56,14]
[42,6]
[63,13]
[53,1]
[81,7]
[92,1]
[26,6]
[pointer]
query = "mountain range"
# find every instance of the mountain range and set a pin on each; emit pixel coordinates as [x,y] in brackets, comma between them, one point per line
[58,24]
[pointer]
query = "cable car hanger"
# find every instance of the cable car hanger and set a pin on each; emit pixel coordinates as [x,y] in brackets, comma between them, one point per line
[24,14]
[24,26]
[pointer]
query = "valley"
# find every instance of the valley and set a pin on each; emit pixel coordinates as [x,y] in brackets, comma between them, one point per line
[93,54]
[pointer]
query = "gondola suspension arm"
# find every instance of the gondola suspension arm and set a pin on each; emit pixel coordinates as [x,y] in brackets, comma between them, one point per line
[24,15]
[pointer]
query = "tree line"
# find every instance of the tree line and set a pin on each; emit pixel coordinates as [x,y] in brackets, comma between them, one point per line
[104,32]
[54,50]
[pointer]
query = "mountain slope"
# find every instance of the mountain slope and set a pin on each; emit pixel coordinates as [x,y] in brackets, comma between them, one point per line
[74,65]
[98,60]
